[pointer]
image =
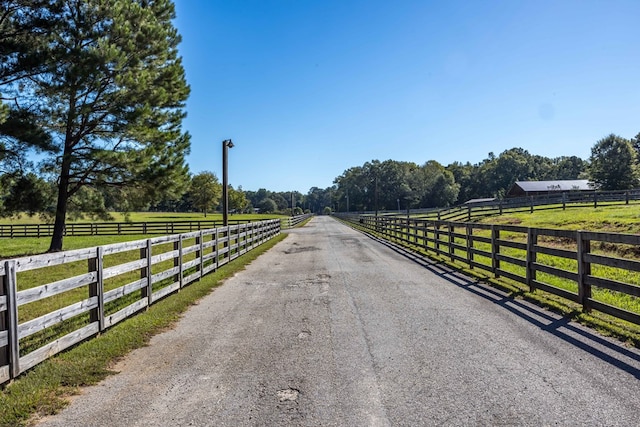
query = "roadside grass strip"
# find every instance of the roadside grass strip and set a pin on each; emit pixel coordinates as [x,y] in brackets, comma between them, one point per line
[43,390]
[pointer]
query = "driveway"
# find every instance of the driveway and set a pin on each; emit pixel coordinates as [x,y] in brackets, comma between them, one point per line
[333,328]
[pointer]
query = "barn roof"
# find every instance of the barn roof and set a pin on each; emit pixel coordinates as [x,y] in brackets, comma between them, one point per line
[559,185]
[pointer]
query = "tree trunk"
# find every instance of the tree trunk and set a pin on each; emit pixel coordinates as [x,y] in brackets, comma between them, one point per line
[61,215]
[63,198]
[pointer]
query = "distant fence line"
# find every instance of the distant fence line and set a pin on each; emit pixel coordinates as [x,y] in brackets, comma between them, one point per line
[127,228]
[585,273]
[475,210]
[91,289]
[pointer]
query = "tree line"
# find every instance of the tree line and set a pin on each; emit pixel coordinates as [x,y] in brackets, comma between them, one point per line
[614,164]
[92,97]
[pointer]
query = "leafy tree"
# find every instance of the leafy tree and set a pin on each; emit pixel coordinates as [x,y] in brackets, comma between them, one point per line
[439,188]
[267,205]
[613,164]
[110,96]
[205,192]
[237,199]
[569,168]
[281,201]
[512,165]
[635,142]
[317,198]
[28,193]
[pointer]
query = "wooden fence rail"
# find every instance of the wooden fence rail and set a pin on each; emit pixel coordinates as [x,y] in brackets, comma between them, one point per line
[294,221]
[127,228]
[88,290]
[473,211]
[599,271]
[111,228]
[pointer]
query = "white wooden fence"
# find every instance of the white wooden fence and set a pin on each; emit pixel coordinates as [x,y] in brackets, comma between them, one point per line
[88,290]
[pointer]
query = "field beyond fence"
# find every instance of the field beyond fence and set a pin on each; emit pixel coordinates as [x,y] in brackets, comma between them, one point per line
[74,229]
[50,302]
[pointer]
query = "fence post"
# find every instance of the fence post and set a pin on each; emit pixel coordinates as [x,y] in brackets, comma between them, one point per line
[226,244]
[11,289]
[532,240]
[495,250]
[199,253]
[469,246]
[216,249]
[177,262]
[626,197]
[531,203]
[4,323]
[584,270]
[468,212]
[96,289]
[408,233]
[595,200]
[451,230]
[145,273]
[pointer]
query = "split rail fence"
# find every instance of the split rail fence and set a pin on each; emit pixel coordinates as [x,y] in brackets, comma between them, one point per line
[53,301]
[597,270]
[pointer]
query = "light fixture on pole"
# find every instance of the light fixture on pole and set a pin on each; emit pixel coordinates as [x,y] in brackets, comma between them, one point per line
[226,144]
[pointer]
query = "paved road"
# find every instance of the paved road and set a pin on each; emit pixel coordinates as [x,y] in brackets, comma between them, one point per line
[333,328]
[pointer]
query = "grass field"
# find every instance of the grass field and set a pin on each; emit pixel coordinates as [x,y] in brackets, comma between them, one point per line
[10,248]
[610,219]
[145,217]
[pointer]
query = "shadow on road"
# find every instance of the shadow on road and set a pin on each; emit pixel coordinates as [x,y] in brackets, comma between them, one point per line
[580,336]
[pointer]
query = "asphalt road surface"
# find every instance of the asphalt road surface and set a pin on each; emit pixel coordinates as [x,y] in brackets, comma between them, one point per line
[333,328]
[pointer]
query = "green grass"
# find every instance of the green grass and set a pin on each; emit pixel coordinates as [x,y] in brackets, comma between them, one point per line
[147,217]
[42,390]
[611,219]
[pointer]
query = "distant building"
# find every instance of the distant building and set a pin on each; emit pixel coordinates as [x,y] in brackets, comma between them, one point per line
[480,201]
[537,188]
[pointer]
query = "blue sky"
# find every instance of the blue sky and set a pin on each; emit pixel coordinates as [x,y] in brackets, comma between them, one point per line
[309,88]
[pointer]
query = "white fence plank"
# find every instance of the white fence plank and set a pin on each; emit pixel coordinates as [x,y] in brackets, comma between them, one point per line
[235,238]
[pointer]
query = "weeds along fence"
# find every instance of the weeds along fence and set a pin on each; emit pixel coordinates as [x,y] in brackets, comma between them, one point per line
[52,301]
[597,270]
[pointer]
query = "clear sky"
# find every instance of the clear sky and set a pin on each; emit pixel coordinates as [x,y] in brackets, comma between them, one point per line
[309,88]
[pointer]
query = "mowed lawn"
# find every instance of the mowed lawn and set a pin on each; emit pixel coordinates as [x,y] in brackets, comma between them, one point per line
[609,219]
[143,217]
[16,247]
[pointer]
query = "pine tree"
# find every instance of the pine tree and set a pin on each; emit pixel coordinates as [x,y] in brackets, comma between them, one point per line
[111,96]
